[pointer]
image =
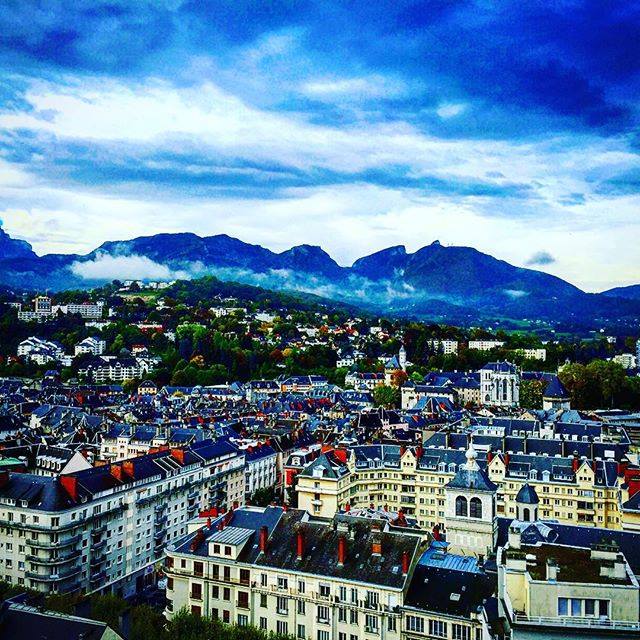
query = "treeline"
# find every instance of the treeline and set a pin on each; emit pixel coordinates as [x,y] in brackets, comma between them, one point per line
[138,621]
[600,385]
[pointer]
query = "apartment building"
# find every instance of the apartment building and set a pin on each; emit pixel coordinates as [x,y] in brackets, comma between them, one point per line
[485,345]
[105,528]
[91,345]
[348,578]
[547,589]
[571,489]
[446,347]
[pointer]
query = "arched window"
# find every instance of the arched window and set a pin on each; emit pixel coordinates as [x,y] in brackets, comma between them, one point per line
[526,515]
[461,506]
[504,389]
[475,508]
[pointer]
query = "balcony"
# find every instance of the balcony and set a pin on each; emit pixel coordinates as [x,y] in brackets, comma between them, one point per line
[96,546]
[193,495]
[52,577]
[99,531]
[159,520]
[50,544]
[580,623]
[49,561]
[101,575]
[159,535]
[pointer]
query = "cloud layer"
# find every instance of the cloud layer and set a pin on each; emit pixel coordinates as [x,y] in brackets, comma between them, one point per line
[510,127]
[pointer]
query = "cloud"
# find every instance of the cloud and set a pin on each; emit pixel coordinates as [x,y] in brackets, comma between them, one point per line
[515,294]
[450,110]
[541,258]
[107,267]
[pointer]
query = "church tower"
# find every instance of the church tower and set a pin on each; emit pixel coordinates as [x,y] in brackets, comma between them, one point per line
[402,358]
[470,507]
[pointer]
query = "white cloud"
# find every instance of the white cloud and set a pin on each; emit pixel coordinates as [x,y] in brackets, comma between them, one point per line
[450,109]
[366,87]
[107,267]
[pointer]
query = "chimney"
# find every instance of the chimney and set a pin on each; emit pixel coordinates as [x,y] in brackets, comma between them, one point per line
[264,534]
[552,570]
[506,460]
[342,550]
[209,522]
[347,507]
[178,454]
[376,544]
[214,511]
[419,451]
[70,484]
[594,466]
[489,456]
[116,471]
[129,469]
[300,544]
[405,563]
[575,463]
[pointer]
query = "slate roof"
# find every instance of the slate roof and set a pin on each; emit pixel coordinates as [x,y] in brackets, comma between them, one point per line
[527,495]
[572,535]
[321,545]
[19,621]
[434,588]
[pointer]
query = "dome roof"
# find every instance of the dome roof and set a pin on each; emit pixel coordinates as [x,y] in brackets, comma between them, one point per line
[527,495]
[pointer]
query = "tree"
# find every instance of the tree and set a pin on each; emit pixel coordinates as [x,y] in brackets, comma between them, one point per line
[398,378]
[108,608]
[386,396]
[146,624]
[531,392]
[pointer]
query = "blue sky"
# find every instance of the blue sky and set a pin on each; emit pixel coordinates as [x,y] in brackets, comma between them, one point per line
[508,126]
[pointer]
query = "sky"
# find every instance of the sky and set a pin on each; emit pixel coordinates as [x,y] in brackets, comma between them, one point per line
[508,126]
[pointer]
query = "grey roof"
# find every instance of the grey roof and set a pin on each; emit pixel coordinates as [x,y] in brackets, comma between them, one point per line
[476,479]
[527,495]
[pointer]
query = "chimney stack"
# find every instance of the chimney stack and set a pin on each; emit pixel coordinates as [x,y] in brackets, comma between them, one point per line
[489,456]
[300,544]
[342,550]
[405,563]
[575,463]
[376,544]
[264,534]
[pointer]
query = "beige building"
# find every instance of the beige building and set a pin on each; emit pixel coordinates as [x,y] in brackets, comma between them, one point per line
[572,490]
[549,590]
[348,578]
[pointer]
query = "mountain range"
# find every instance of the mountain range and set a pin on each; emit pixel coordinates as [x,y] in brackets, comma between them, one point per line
[435,281]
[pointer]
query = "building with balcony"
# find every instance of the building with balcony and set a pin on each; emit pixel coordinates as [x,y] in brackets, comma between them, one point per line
[105,528]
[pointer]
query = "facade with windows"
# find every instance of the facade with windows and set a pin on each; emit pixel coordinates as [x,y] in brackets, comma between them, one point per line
[545,587]
[572,490]
[105,528]
[347,579]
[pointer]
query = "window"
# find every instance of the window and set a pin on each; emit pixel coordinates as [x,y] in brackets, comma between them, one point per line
[342,594]
[353,616]
[372,600]
[263,623]
[323,635]
[282,605]
[391,624]
[302,632]
[282,627]
[371,623]
[196,610]
[198,569]
[283,583]
[196,591]
[244,576]
[227,574]
[461,632]
[325,590]
[438,628]
[301,607]
[475,508]
[301,586]
[461,506]
[263,579]
[323,614]
[243,620]
[243,599]
[226,594]
[342,614]
[263,600]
